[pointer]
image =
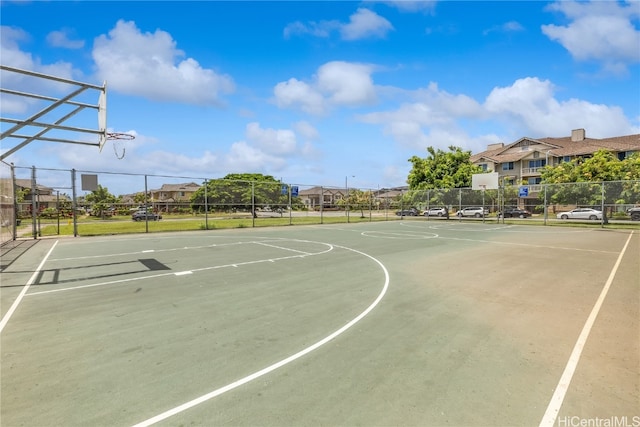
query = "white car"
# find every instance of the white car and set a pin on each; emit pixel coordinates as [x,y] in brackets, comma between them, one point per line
[441,211]
[581,213]
[475,211]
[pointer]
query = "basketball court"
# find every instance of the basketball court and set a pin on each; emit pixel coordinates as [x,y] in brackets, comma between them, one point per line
[404,323]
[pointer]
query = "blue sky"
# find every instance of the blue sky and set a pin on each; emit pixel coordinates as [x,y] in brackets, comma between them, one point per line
[313,92]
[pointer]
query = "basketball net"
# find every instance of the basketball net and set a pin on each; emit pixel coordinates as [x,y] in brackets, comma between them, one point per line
[118,139]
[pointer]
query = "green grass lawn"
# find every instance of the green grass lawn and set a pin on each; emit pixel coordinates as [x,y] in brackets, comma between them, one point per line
[92,226]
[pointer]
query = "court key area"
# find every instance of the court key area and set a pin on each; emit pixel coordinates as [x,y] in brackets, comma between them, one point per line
[403,323]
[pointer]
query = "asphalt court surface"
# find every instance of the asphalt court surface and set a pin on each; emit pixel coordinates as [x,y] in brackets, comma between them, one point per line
[403,323]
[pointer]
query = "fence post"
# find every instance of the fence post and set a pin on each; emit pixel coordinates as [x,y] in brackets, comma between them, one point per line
[146,206]
[253,204]
[603,221]
[206,206]
[321,205]
[74,203]
[15,202]
[546,209]
[34,212]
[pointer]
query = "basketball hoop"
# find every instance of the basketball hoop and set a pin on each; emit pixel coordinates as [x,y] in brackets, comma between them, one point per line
[118,145]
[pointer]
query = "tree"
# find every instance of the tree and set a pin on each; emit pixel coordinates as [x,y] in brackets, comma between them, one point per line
[140,198]
[101,200]
[584,178]
[241,192]
[357,200]
[441,169]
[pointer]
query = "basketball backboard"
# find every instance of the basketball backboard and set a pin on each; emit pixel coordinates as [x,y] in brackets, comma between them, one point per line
[102,116]
[484,181]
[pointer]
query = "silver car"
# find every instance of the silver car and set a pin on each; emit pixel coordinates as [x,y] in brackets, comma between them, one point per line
[580,213]
[440,211]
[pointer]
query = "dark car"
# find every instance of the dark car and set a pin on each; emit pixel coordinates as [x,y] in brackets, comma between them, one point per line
[634,213]
[515,213]
[408,212]
[142,215]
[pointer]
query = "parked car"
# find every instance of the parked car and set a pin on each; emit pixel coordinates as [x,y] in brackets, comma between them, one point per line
[441,211]
[474,211]
[580,213]
[142,215]
[515,213]
[408,212]
[634,213]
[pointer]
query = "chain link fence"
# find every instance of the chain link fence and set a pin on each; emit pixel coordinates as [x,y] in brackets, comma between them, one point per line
[40,201]
[8,223]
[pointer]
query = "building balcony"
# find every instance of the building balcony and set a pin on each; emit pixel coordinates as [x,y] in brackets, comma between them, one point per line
[532,171]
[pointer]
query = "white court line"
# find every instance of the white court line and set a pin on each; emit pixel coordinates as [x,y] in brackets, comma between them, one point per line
[283,362]
[154,276]
[553,409]
[15,304]
[281,247]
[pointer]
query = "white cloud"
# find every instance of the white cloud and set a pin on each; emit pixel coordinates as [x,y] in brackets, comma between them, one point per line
[363,24]
[507,27]
[272,141]
[410,5]
[13,56]
[148,64]
[243,157]
[529,106]
[306,130]
[346,83]
[599,30]
[532,102]
[294,93]
[62,38]
[336,83]
[317,29]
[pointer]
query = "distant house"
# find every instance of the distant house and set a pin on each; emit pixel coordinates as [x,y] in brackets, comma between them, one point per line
[521,162]
[44,197]
[330,196]
[176,193]
[315,197]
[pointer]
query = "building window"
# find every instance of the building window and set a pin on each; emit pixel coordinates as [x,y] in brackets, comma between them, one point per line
[508,166]
[534,181]
[536,155]
[537,163]
[624,154]
[566,159]
[483,166]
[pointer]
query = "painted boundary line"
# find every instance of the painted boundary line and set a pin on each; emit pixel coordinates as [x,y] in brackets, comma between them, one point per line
[283,362]
[15,304]
[553,409]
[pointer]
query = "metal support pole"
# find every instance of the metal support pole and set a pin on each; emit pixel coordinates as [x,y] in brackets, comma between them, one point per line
[34,217]
[15,202]
[603,221]
[290,207]
[58,209]
[346,186]
[546,209]
[253,204]
[321,205]
[146,206]
[206,207]
[74,203]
